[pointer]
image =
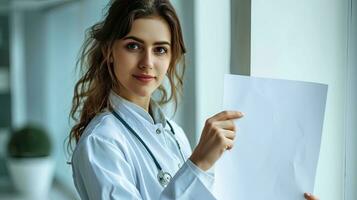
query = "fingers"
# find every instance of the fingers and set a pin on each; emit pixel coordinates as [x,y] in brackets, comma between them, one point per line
[224,120]
[227,125]
[222,124]
[227,115]
[229,146]
[217,136]
[229,139]
[229,134]
[309,196]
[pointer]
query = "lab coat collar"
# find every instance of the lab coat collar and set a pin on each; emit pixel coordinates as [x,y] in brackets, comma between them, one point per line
[118,102]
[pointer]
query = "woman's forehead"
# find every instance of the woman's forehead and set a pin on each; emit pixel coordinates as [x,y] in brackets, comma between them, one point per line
[150,30]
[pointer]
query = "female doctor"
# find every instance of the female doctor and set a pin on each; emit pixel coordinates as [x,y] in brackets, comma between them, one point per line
[126,148]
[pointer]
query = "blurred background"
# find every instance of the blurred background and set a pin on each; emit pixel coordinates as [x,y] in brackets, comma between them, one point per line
[308,40]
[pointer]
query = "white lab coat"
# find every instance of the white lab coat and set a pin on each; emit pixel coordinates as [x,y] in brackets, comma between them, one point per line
[109,162]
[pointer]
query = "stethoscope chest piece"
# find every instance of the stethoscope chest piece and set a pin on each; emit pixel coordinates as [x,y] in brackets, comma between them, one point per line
[164,178]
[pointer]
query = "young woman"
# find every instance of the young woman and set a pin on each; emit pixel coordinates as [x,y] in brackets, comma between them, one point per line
[126,148]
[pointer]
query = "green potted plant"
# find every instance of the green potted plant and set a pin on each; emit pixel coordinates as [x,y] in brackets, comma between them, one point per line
[29,160]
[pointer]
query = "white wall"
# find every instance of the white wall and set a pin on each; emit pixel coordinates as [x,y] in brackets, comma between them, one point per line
[212,57]
[36,71]
[17,69]
[307,40]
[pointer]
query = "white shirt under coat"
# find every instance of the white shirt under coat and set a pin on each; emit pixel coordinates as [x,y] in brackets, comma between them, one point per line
[109,162]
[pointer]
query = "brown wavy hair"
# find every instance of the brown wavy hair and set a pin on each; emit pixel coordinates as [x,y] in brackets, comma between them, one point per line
[92,90]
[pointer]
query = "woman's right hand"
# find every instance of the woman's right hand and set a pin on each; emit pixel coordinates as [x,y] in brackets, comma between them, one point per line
[217,136]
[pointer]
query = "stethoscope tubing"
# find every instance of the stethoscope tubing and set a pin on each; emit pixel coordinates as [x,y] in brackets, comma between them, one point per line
[143,143]
[138,137]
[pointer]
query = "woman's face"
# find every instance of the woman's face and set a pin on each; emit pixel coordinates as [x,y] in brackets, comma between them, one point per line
[142,58]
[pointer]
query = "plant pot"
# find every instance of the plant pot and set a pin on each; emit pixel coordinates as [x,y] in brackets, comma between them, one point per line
[32,177]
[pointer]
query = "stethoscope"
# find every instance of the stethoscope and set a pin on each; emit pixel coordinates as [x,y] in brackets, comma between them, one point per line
[162,176]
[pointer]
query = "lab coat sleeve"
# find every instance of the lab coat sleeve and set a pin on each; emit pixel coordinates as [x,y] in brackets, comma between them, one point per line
[207,177]
[189,183]
[196,183]
[101,171]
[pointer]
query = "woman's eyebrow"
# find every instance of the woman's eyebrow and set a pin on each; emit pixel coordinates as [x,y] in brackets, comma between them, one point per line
[143,42]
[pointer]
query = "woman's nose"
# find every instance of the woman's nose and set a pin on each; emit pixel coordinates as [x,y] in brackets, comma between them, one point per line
[147,60]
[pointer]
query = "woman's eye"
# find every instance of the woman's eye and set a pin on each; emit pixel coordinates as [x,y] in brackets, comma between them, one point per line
[132,46]
[161,50]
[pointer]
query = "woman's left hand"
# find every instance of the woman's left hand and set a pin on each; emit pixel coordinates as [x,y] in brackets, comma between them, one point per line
[309,196]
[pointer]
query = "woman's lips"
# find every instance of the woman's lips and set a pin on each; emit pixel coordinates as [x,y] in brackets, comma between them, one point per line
[144,78]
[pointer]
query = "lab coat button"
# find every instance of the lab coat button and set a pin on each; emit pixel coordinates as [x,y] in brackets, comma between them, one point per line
[158,131]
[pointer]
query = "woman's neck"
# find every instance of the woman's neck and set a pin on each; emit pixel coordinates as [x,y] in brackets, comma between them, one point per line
[143,102]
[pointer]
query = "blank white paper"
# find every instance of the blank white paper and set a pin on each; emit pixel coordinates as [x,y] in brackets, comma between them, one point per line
[278,140]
